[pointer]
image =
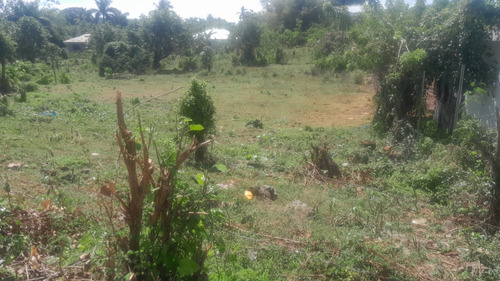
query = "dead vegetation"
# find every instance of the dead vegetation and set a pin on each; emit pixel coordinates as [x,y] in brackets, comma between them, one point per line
[320,166]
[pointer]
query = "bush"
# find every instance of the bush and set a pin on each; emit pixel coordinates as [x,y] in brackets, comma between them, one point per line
[476,144]
[64,78]
[199,107]
[280,56]
[45,79]
[358,77]
[30,87]
[207,58]
[4,107]
[168,228]
[188,64]
[121,57]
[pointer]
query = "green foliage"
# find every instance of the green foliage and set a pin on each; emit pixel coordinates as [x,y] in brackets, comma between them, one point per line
[207,58]
[7,51]
[4,107]
[188,63]
[102,34]
[400,93]
[247,37]
[330,50]
[65,78]
[46,79]
[163,34]
[121,57]
[476,144]
[198,106]
[30,39]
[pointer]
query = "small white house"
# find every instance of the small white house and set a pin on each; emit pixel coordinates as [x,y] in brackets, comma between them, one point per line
[77,44]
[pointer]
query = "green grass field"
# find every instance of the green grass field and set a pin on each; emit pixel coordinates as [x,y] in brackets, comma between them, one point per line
[407,215]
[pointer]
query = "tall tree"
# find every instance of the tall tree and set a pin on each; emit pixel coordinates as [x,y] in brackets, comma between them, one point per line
[163,32]
[30,38]
[15,10]
[104,12]
[247,36]
[6,53]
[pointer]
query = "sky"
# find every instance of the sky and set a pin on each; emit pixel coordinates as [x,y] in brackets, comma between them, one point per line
[226,9]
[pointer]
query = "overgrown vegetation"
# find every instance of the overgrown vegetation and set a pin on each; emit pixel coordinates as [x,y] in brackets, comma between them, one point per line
[402,198]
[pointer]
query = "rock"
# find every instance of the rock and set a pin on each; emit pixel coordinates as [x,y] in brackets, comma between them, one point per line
[419,222]
[269,192]
[299,206]
[448,225]
[14,166]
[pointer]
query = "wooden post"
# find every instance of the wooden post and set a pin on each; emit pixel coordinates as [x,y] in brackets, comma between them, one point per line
[459,97]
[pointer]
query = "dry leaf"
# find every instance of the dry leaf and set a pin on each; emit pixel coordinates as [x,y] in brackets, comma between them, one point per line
[34,258]
[34,252]
[108,188]
[112,186]
[132,277]
[46,205]
[387,148]
[248,194]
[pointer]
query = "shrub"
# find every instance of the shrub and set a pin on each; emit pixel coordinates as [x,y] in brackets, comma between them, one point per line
[207,58]
[476,144]
[64,78]
[167,234]
[188,64]
[30,87]
[45,79]
[358,77]
[199,107]
[4,107]
[280,56]
[121,57]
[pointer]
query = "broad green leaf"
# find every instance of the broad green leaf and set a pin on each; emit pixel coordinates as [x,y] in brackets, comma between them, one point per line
[187,267]
[220,167]
[6,187]
[186,119]
[196,127]
[200,178]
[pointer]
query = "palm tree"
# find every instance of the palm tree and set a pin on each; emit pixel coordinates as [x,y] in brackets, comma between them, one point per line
[104,12]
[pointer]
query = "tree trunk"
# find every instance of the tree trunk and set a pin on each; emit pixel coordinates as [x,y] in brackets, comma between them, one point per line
[495,204]
[445,105]
[156,60]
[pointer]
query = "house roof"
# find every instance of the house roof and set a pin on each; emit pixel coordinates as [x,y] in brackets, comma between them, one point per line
[80,39]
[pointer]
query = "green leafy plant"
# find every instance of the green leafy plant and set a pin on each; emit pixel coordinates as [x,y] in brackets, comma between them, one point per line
[165,216]
[198,106]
